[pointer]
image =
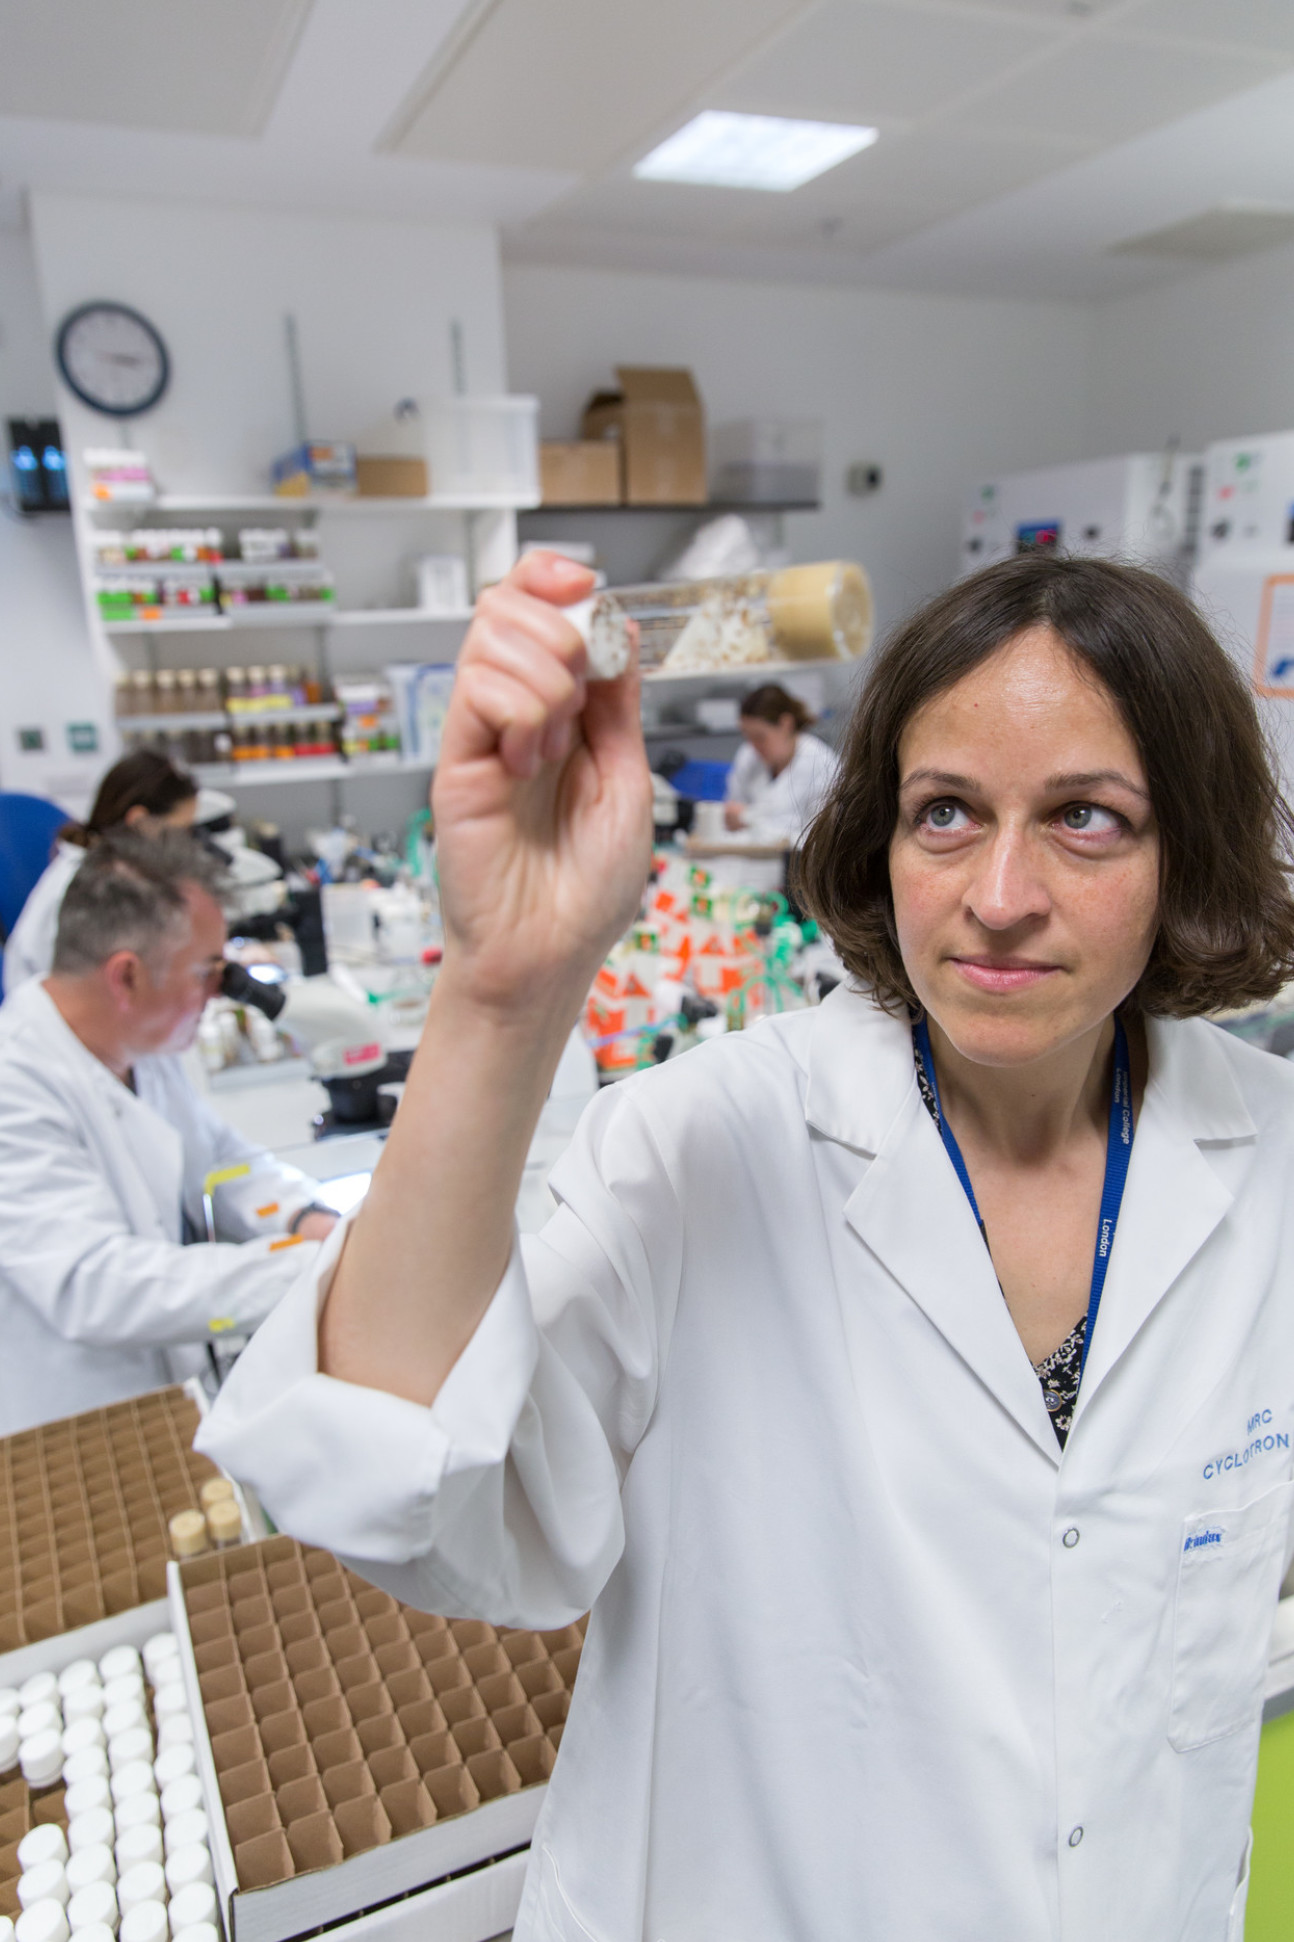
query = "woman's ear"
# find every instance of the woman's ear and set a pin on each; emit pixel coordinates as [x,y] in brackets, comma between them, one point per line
[136,816]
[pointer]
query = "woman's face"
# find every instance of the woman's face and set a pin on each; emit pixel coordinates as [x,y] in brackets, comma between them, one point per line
[773,742]
[1025,859]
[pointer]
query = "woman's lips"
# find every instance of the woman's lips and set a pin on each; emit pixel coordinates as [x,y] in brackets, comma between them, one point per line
[987,974]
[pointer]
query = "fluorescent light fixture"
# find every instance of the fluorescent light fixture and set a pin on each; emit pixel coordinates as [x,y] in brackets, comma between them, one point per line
[752,151]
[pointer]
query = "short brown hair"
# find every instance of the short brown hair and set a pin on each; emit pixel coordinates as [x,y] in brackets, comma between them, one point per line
[128,895]
[1226,915]
[771,703]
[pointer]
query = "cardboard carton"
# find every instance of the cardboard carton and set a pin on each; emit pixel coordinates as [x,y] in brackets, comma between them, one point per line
[391,477]
[657,419]
[579,472]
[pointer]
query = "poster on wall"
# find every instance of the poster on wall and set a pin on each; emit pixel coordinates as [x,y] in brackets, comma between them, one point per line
[1274,648]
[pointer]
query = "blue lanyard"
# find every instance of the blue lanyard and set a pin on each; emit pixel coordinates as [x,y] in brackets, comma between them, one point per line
[1118,1153]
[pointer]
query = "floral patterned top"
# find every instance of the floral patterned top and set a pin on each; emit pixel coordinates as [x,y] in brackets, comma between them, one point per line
[1060,1371]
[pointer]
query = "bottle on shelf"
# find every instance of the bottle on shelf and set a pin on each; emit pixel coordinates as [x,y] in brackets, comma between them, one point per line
[209,701]
[235,690]
[186,685]
[142,697]
[167,694]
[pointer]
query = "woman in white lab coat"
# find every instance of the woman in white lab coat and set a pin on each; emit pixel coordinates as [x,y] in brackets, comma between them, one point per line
[931,1490]
[145,792]
[781,773]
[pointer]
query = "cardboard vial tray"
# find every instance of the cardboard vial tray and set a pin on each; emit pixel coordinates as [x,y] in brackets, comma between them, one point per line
[84,1509]
[354,1750]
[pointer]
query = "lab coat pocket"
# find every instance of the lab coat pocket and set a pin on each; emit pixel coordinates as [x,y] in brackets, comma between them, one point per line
[1228,1577]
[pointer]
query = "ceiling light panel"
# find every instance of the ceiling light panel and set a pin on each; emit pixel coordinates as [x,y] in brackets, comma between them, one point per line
[576,84]
[733,151]
[213,69]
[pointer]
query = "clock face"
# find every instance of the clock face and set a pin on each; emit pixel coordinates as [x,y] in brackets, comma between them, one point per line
[112,358]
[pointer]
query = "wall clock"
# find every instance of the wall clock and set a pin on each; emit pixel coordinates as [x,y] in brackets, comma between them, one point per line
[112,358]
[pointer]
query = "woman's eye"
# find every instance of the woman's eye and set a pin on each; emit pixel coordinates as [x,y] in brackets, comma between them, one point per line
[1088,819]
[944,816]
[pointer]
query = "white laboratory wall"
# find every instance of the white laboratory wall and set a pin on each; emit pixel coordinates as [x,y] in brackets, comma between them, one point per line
[937,390]
[46,666]
[1207,356]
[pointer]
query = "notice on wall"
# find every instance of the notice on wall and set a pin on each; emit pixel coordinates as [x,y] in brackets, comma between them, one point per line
[1274,650]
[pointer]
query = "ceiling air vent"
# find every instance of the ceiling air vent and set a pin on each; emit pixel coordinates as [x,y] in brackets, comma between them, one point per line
[1232,229]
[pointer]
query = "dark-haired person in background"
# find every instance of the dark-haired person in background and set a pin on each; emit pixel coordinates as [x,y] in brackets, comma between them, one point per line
[906,1383]
[105,1146]
[781,773]
[144,792]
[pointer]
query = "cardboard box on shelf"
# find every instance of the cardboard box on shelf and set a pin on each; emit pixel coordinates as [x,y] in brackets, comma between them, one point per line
[579,472]
[391,477]
[657,418]
[314,468]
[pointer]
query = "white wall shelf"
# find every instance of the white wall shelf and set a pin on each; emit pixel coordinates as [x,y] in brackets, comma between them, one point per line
[218,502]
[268,773]
[179,724]
[298,614]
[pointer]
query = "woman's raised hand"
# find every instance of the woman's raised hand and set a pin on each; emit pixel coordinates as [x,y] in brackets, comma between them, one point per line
[542,798]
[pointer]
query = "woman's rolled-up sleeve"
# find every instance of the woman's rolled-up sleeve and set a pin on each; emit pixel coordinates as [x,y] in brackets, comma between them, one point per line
[503,1498]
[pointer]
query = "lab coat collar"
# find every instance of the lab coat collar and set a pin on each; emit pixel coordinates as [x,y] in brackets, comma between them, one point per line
[912,1214]
[33,1004]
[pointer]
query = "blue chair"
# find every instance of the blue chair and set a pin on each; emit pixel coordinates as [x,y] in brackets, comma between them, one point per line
[28,826]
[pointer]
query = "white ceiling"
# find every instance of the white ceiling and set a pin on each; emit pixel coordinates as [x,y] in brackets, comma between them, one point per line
[1021,141]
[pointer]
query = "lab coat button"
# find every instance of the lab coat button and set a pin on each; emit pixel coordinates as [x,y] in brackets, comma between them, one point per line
[1069,1540]
[1075,1836]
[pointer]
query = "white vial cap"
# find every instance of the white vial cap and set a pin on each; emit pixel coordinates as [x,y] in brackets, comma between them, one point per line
[185,1831]
[83,1798]
[118,1691]
[44,1922]
[134,1778]
[47,1882]
[141,1810]
[6,1929]
[146,1922]
[90,1764]
[145,1882]
[170,1699]
[81,1734]
[123,1717]
[143,1843]
[196,1932]
[39,1718]
[76,1677]
[176,1729]
[188,1865]
[121,1659]
[89,1865]
[96,1902]
[41,1685]
[93,1932]
[181,1796]
[162,1645]
[45,1843]
[174,1763]
[10,1702]
[42,1758]
[95,1828]
[83,1702]
[10,1742]
[136,1743]
[196,1903]
[167,1672]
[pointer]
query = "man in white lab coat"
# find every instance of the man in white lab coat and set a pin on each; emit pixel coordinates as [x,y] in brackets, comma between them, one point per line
[105,1148]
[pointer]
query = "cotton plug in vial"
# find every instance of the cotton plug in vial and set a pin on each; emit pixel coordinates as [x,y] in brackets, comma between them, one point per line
[188,1529]
[224,1523]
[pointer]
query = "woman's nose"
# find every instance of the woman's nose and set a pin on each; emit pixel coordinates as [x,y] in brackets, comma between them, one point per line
[1009,887]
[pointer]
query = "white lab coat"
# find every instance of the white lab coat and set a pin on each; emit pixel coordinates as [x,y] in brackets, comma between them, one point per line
[871,1659]
[29,948]
[98,1298]
[781,807]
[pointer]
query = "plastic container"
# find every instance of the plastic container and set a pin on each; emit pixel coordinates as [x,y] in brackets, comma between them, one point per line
[94,1827]
[46,1882]
[93,1906]
[44,1922]
[145,1922]
[145,1882]
[82,1673]
[483,448]
[88,1865]
[40,1689]
[740,623]
[43,1843]
[118,1662]
[141,1810]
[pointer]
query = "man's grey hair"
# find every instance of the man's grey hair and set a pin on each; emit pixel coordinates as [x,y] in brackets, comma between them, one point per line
[129,895]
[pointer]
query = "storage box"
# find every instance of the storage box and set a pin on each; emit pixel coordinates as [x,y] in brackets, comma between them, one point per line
[581,472]
[484,448]
[657,419]
[351,1749]
[767,461]
[391,478]
[314,468]
[421,691]
[84,1509]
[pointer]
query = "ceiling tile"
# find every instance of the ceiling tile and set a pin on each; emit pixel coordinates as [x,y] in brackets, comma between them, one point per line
[1107,89]
[863,60]
[1264,24]
[209,69]
[951,169]
[571,84]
